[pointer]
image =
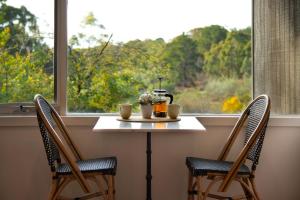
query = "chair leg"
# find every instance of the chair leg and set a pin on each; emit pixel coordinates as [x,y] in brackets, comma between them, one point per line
[114,188]
[254,188]
[199,189]
[247,187]
[61,185]
[246,192]
[190,187]
[54,187]
[100,187]
[111,187]
[213,181]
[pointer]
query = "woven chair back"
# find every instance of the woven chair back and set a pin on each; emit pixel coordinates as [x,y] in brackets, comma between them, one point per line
[256,113]
[51,149]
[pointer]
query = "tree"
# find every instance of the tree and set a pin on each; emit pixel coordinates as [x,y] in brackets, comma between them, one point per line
[24,31]
[85,54]
[23,57]
[207,36]
[144,58]
[21,78]
[231,57]
[182,57]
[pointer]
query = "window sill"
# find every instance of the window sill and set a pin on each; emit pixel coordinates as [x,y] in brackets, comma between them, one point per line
[88,120]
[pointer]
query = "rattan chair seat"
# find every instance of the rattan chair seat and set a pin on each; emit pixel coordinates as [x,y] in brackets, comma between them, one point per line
[202,167]
[106,166]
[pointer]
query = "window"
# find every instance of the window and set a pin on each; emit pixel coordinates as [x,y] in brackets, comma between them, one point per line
[114,53]
[27,51]
[117,50]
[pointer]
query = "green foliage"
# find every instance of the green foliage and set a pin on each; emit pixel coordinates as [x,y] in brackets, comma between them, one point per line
[21,23]
[90,19]
[193,100]
[204,69]
[117,76]
[207,36]
[223,88]
[23,59]
[211,99]
[21,79]
[230,57]
[181,57]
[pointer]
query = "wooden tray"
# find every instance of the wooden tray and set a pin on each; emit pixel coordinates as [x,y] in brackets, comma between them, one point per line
[152,120]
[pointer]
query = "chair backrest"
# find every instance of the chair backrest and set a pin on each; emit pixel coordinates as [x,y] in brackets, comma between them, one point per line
[256,115]
[43,108]
[48,118]
[258,112]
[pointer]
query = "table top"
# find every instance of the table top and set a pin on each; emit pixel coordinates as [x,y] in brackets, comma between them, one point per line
[111,124]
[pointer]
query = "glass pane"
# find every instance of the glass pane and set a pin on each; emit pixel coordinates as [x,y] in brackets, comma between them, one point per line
[118,49]
[26,55]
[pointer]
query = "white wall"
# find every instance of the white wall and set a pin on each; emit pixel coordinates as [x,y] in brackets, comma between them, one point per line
[25,174]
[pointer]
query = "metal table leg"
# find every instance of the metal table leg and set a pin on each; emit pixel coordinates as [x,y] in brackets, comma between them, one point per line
[149,175]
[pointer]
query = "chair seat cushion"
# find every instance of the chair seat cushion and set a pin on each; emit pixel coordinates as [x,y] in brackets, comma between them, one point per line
[106,166]
[201,167]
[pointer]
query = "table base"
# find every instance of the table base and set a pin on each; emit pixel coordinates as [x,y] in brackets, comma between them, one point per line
[149,175]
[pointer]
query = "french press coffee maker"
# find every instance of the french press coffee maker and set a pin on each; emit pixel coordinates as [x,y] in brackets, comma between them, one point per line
[160,101]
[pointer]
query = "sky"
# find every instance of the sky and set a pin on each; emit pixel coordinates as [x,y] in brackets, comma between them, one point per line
[144,19]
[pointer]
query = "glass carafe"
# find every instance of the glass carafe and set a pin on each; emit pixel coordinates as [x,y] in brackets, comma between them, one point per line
[160,102]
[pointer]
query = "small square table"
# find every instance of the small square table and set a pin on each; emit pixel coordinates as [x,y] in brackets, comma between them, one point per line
[111,124]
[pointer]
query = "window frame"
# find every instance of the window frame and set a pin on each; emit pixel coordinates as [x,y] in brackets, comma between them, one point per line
[61,45]
[61,70]
[88,119]
[251,92]
[27,108]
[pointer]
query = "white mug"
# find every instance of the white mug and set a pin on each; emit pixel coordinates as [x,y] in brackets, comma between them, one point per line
[125,110]
[173,110]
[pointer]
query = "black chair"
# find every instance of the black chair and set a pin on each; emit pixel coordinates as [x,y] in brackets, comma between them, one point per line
[100,170]
[255,117]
